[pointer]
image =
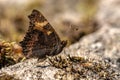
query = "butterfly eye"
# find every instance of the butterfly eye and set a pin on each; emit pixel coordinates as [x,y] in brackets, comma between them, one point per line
[64,43]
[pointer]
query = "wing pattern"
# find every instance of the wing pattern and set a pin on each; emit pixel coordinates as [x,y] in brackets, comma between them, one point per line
[41,40]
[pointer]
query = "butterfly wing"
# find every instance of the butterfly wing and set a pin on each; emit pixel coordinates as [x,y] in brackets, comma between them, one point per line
[41,39]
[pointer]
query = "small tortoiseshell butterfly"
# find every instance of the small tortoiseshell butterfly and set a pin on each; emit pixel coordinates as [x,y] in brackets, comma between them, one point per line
[41,40]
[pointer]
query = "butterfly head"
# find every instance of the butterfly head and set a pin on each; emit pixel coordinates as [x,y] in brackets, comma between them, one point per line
[64,43]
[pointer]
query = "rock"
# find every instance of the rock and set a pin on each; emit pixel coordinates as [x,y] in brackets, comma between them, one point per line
[108,13]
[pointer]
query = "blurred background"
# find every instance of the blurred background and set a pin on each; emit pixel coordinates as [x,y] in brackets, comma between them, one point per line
[72,19]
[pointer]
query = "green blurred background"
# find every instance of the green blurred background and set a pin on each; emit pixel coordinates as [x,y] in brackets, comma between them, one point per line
[72,19]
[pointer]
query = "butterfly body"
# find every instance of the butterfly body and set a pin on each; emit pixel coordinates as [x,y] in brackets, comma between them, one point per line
[41,40]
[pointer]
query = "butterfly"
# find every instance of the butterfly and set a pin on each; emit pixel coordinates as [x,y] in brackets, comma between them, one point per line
[41,40]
